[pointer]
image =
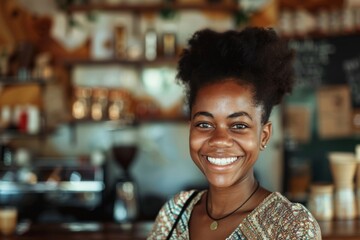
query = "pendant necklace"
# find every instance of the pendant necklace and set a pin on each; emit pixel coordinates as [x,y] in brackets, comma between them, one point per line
[214,224]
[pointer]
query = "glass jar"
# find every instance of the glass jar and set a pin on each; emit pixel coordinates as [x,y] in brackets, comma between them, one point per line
[99,104]
[321,203]
[116,105]
[121,106]
[81,105]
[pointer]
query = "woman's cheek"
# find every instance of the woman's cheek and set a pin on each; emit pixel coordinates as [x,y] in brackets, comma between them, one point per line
[248,141]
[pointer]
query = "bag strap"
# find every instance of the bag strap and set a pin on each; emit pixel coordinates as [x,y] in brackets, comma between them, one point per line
[186,204]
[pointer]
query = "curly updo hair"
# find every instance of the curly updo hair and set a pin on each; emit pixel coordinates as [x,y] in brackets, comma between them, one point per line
[254,56]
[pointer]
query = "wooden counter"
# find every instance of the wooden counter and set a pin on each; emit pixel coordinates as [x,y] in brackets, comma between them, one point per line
[340,230]
[332,230]
[87,231]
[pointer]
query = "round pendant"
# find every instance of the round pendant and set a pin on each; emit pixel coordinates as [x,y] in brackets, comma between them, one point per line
[213,225]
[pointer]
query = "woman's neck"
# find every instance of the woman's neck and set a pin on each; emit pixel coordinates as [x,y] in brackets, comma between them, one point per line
[222,201]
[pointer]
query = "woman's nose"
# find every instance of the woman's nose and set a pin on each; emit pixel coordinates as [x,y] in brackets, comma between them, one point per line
[220,138]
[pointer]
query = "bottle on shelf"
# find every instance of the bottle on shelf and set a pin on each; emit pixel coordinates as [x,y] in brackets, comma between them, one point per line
[135,48]
[169,44]
[120,42]
[151,43]
[34,119]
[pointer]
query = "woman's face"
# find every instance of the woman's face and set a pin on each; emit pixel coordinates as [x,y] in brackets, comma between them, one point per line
[226,132]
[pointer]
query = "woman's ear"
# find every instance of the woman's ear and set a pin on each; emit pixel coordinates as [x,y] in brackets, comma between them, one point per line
[265,134]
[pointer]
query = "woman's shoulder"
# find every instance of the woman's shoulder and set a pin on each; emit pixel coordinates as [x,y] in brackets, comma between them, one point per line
[279,217]
[168,214]
[180,198]
[175,204]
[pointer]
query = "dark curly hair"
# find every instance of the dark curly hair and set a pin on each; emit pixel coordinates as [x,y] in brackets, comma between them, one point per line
[254,56]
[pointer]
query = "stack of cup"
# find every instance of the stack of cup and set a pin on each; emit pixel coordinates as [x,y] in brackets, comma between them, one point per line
[321,201]
[343,168]
[357,150]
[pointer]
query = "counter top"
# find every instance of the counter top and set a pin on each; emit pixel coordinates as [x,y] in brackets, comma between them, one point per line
[88,231]
[331,230]
[340,230]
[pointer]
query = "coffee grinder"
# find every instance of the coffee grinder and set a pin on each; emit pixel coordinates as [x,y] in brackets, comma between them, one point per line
[124,149]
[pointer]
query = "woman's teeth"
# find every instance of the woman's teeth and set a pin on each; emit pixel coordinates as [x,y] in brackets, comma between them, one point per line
[221,161]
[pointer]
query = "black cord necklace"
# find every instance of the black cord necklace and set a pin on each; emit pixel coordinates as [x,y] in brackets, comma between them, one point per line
[214,224]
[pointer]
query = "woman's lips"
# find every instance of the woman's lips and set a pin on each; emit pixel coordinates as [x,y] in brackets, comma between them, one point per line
[223,161]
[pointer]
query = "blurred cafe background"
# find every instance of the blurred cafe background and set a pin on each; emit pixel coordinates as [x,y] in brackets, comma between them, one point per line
[93,125]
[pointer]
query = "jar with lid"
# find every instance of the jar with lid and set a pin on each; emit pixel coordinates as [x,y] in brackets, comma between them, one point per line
[99,104]
[321,203]
[116,105]
[120,106]
[81,105]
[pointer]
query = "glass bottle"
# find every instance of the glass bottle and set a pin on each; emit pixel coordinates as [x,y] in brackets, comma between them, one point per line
[150,44]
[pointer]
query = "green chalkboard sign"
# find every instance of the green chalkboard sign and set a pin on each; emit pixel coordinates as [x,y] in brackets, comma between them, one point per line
[328,61]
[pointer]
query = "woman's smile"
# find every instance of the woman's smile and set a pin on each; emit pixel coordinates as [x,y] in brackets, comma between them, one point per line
[221,161]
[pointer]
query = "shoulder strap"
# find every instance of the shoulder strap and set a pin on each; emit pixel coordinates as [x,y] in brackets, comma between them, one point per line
[181,212]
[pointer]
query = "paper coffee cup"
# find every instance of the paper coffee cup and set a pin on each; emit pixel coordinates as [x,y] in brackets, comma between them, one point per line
[343,168]
[8,220]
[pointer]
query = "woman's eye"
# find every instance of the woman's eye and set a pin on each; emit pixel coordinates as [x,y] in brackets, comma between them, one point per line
[239,126]
[203,125]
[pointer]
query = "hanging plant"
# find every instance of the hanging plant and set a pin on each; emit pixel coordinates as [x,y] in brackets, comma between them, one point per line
[64,6]
[241,18]
[168,12]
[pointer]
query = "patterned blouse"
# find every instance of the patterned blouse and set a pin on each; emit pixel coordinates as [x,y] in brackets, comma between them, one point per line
[275,218]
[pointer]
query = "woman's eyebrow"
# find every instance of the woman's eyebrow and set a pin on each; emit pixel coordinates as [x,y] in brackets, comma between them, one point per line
[233,115]
[206,114]
[239,114]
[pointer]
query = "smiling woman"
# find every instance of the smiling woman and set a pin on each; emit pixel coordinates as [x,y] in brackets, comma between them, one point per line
[233,80]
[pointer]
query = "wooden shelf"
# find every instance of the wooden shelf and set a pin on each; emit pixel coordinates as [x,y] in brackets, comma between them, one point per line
[159,119]
[10,80]
[144,8]
[141,62]
[14,134]
[311,5]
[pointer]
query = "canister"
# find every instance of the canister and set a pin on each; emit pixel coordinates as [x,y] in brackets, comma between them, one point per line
[321,201]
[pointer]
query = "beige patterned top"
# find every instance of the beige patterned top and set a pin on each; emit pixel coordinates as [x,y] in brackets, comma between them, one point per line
[275,218]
